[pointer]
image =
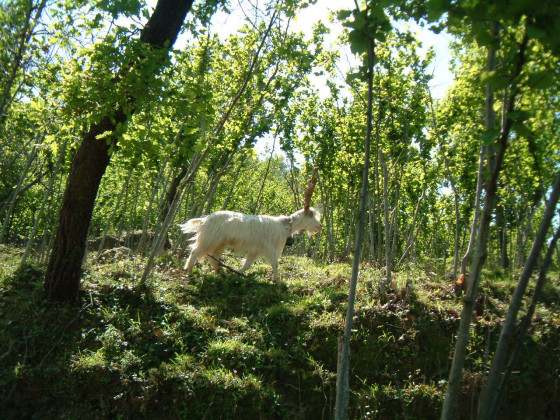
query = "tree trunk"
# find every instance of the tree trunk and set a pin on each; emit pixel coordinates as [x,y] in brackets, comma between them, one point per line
[388,257]
[456,371]
[413,229]
[502,238]
[453,188]
[161,235]
[371,229]
[144,238]
[62,280]
[491,396]
[530,312]
[236,175]
[257,204]
[343,368]
[46,195]
[394,226]
[170,194]
[18,190]
[495,161]
[209,197]
[474,226]
[8,80]
[117,206]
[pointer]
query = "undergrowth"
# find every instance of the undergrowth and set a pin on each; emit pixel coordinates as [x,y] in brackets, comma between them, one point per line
[209,346]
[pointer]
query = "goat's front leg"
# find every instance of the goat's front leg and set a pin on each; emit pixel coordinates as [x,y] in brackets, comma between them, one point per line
[272,258]
[250,259]
[275,273]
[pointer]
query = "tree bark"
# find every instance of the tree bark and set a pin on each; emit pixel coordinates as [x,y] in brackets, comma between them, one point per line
[491,185]
[112,215]
[453,188]
[343,368]
[491,396]
[170,194]
[30,22]
[46,195]
[413,229]
[502,238]
[62,280]
[18,189]
[388,257]
[474,226]
[495,161]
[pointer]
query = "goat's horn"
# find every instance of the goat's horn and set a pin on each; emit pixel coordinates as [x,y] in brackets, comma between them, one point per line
[311,182]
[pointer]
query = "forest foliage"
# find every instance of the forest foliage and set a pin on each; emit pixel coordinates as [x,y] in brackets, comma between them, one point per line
[460,182]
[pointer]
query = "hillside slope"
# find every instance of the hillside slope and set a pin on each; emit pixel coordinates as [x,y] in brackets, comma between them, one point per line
[229,347]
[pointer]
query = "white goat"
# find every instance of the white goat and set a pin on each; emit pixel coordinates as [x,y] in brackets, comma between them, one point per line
[253,236]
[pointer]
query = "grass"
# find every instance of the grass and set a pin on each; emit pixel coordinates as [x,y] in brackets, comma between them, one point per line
[207,346]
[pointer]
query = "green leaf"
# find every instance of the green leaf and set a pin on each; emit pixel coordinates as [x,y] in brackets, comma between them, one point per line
[344,14]
[518,115]
[360,21]
[496,80]
[351,77]
[484,38]
[541,79]
[490,136]
[435,10]
[535,32]
[104,134]
[358,42]
[522,130]
[380,36]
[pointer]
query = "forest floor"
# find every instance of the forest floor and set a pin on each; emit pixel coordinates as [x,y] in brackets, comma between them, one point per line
[207,346]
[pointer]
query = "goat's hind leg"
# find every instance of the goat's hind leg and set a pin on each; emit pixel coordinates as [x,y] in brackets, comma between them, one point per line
[189,265]
[216,254]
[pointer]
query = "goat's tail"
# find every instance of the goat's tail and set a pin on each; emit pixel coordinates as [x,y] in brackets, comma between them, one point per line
[192,225]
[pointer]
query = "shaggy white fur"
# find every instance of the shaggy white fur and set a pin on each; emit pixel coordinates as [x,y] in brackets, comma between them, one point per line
[252,236]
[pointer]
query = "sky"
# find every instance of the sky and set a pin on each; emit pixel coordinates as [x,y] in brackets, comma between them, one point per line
[225,25]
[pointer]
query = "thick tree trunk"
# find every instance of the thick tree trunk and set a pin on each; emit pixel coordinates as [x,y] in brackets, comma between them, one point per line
[62,280]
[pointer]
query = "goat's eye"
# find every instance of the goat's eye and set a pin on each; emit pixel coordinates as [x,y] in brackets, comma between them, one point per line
[311,213]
